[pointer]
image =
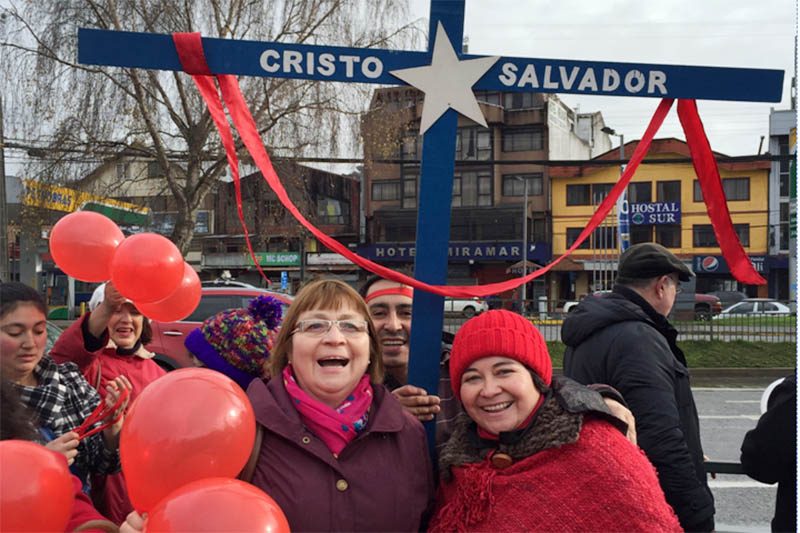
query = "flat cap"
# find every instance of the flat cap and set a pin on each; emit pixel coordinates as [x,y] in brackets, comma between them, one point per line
[650,260]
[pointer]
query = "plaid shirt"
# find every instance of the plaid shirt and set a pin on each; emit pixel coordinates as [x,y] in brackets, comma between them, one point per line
[61,402]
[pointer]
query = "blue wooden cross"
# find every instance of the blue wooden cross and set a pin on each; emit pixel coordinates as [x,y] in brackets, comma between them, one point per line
[452,73]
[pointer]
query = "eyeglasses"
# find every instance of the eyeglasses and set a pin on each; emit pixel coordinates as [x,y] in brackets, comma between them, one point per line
[317,327]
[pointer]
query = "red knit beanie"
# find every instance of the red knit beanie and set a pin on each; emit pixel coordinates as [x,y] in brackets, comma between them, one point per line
[499,333]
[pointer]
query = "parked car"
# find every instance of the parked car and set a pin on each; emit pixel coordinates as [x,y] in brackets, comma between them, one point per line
[571,305]
[705,305]
[467,307]
[756,307]
[53,333]
[227,283]
[728,298]
[168,337]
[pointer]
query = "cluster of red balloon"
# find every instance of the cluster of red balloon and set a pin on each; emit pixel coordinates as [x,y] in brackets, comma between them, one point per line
[185,439]
[146,268]
[36,491]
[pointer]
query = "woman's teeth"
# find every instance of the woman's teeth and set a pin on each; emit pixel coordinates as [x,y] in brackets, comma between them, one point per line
[497,407]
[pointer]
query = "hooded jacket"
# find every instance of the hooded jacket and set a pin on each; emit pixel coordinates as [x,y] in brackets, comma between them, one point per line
[620,340]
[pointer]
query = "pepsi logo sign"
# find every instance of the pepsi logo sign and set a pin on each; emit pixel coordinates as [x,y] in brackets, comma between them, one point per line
[709,263]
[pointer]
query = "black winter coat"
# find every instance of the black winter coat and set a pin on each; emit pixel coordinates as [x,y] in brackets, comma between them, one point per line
[620,340]
[769,452]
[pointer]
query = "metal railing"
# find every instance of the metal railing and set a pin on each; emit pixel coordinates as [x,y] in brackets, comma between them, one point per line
[548,317]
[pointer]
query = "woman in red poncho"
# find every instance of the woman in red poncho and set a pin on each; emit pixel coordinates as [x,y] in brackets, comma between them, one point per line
[519,461]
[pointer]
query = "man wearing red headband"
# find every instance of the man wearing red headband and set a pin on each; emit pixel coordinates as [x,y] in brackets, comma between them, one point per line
[390,308]
[390,305]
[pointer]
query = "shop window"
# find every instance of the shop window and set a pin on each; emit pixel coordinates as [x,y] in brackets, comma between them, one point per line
[669,236]
[783,166]
[489,97]
[736,189]
[471,189]
[640,193]
[154,170]
[668,191]
[521,101]
[572,236]
[784,226]
[333,211]
[411,147]
[605,238]
[743,232]
[703,236]
[164,222]
[523,139]
[474,144]
[641,234]
[385,190]
[410,191]
[512,186]
[600,191]
[578,195]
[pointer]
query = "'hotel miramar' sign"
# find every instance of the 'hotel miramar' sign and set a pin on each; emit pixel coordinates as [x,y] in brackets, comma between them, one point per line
[459,251]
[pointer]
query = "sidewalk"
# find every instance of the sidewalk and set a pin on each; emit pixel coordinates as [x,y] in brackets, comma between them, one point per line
[757,378]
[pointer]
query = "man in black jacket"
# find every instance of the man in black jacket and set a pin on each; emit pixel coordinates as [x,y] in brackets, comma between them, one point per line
[769,452]
[625,340]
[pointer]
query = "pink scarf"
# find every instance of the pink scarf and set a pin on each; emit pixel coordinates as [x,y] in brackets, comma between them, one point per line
[335,427]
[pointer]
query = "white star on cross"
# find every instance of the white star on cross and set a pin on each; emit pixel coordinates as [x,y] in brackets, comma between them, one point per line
[447,82]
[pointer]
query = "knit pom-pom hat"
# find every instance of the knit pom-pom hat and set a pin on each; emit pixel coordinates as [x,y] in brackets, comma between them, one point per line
[237,342]
[499,333]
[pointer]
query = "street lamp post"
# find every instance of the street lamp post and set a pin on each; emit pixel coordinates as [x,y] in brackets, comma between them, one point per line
[623,218]
[523,292]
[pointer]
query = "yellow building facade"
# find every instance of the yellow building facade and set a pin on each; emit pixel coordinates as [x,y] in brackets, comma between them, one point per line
[666,206]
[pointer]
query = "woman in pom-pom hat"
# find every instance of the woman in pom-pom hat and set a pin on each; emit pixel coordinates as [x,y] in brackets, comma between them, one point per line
[237,342]
[518,461]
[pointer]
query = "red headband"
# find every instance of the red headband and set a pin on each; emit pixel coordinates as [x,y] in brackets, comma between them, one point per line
[402,290]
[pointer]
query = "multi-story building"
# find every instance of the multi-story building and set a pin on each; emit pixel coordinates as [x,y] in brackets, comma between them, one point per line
[666,206]
[283,248]
[494,167]
[782,125]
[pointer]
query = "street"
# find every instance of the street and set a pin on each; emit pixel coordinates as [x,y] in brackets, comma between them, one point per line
[726,414]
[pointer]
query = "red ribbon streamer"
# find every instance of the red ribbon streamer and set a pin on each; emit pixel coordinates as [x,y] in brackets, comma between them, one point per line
[193,60]
[103,412]
[243,120]
[705,166]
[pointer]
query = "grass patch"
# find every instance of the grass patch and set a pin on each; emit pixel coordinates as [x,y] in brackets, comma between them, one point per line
[714,354]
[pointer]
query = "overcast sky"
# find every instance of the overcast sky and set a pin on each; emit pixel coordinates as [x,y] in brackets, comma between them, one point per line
[725,33]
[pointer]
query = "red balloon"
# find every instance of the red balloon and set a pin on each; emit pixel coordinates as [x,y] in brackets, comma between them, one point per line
[36,492]
[180,303]
[83,244]
[147,268]
[215,504]
[191,424]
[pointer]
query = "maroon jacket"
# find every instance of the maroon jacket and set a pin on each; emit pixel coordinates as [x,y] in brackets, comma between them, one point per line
[382,481]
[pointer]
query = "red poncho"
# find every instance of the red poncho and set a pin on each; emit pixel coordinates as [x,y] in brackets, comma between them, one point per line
[600,482]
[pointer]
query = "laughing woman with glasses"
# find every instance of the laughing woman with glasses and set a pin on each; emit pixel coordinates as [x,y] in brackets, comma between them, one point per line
[335,450]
